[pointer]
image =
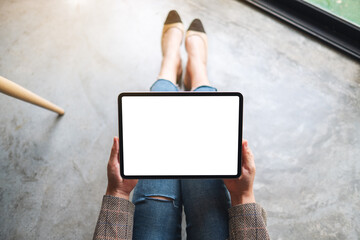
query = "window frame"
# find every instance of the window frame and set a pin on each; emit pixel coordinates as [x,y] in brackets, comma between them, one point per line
[328,27]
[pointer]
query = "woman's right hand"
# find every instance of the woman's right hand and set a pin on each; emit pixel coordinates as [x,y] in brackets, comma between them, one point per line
[241,189]
[117,186]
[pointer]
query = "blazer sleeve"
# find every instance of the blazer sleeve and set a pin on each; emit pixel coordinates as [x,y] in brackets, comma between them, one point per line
[247,221]
[115,220]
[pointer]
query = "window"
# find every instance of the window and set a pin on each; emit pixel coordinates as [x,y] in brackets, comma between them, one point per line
[348,10]
[337,22]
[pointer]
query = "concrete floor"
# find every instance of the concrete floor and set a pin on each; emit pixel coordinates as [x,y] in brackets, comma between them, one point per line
[302,111]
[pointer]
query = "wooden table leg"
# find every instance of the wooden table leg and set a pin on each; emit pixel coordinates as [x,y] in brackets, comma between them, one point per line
[14,90]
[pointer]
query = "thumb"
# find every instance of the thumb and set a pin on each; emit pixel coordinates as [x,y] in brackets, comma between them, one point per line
[245,152]
[247,156]
[114,150]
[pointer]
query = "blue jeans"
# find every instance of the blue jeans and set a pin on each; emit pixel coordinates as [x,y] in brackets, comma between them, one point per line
[163,85]
[206,202]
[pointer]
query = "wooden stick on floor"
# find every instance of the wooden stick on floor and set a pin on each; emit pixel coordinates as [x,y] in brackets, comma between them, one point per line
[14,90]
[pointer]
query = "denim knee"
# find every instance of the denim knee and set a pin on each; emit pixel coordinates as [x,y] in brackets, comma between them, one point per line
[205,88]
[163,85]
[149,189]
[156,218]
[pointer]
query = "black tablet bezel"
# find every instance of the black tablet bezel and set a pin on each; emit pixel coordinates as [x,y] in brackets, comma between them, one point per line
[169,94]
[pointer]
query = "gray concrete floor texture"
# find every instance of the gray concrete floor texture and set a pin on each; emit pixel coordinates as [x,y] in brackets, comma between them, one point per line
[301,111]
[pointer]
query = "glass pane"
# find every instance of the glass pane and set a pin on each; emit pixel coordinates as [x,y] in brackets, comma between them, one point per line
[348,10]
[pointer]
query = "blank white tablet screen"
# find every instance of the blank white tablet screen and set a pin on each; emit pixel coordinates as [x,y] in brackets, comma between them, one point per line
[180,135]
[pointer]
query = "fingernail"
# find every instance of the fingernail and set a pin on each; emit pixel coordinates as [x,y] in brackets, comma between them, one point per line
[246,144]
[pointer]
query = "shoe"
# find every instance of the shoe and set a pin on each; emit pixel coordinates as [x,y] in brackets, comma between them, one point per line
[173,20]
[196,28]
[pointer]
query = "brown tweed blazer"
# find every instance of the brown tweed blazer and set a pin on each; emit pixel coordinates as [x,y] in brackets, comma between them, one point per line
[115,222]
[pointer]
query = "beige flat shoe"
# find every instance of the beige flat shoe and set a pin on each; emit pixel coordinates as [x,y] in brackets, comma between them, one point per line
[196,28]
[173,20]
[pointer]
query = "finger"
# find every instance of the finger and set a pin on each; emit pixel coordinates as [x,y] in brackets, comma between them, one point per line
[243,147]
[116,158]
[114,151]
[247,155]
[117,149]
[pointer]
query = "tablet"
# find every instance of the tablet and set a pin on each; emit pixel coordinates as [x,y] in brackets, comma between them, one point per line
[180,134]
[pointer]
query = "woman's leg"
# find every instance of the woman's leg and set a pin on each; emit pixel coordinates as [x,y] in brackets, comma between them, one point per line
[158,209]
[196,47]
[206,204]
[158,201]
[171,67]
[171,62]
